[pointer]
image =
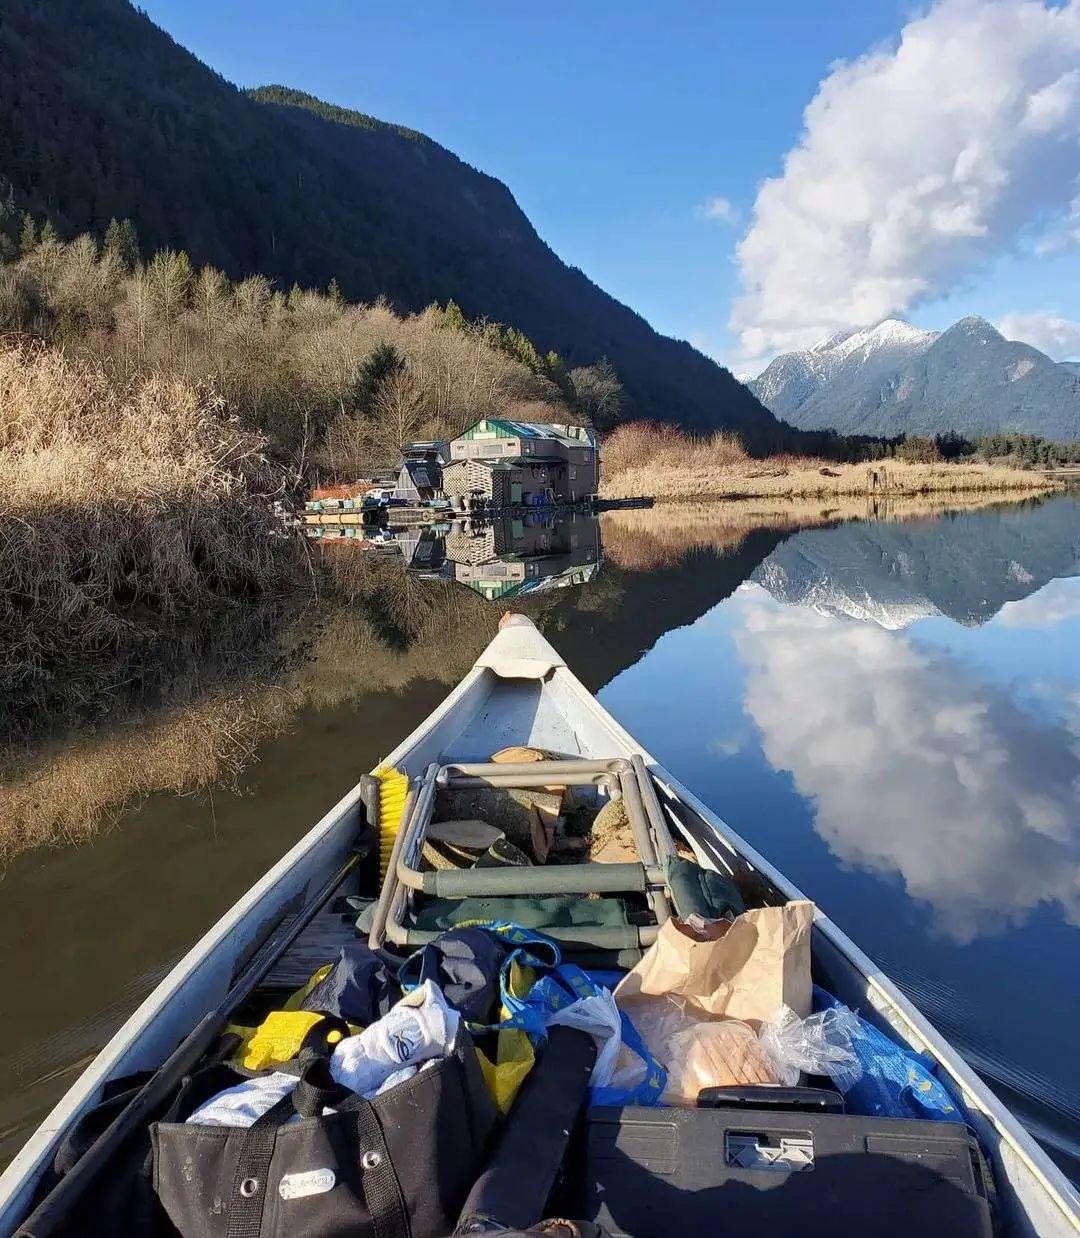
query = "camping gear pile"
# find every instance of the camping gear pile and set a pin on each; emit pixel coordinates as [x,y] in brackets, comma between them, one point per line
[556,1011]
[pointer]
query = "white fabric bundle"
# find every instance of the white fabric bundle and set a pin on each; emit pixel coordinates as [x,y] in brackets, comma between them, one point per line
[420,1028]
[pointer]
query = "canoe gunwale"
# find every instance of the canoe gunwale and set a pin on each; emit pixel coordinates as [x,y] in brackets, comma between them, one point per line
[886,998]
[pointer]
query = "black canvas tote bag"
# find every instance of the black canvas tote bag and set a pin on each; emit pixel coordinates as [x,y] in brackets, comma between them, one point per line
[399,1166]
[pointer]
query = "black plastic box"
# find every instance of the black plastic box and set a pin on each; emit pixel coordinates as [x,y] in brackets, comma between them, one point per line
[738,1173]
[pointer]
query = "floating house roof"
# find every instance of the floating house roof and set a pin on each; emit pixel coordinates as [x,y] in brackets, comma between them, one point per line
[572,436]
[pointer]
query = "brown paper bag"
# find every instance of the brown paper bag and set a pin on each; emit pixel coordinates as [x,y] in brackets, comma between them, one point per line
[745,970]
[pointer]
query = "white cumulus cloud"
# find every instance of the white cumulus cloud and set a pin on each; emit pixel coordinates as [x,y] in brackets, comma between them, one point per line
[1053,334]
[721,210]
[914,165]
[918,767]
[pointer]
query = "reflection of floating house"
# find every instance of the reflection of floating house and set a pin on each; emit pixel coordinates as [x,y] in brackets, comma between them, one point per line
[522,462]
[423,548]
[511,557]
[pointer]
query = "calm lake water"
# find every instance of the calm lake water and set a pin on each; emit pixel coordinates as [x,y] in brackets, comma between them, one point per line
[889,710]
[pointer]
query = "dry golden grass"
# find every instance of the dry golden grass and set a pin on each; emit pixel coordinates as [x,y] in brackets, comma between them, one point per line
[816,480]
[643,458]
[629,446]
[127,513]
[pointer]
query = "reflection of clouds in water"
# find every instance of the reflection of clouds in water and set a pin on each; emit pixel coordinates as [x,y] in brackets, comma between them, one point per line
[917,767]
[1056,603]
[728,745]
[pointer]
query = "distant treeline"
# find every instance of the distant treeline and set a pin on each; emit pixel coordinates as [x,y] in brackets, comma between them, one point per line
[1028,450]
[334,385]
[1019,450]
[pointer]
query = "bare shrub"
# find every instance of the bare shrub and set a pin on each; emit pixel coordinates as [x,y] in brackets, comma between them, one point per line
[643,443]
[636,443]
[599,392]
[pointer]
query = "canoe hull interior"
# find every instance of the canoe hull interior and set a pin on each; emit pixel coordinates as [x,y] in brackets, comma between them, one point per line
[520,692]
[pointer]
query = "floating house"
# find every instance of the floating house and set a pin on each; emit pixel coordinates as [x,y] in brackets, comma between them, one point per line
[506,463]
[421,475]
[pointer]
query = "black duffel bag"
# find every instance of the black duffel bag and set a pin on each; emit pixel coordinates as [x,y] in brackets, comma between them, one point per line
[398,1166]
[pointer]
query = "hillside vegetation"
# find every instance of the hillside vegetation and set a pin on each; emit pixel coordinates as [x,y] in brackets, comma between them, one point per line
[301,367]
[103,115]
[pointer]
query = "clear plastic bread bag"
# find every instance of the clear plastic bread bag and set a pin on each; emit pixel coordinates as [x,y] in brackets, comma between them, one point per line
[713,1053]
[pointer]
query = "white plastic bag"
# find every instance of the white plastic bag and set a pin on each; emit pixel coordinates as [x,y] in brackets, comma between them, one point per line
[817,1045]
[599,1016]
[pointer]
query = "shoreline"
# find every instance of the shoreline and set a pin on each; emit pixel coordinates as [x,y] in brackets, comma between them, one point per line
[878,482]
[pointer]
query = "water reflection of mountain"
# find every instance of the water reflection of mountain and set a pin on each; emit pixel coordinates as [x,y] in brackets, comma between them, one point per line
[965,566]
[389,612]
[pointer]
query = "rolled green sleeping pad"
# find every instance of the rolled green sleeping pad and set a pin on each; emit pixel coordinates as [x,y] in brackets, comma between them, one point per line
[572,938]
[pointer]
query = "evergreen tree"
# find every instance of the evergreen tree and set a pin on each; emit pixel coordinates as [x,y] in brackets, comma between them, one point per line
[169,277]
[122,241]
[383,362]
[555,369]
[49,235]
[28,234]
[453,317]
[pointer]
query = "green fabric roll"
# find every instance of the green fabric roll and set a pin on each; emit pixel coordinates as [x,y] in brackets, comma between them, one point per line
[700,891]
[559,911]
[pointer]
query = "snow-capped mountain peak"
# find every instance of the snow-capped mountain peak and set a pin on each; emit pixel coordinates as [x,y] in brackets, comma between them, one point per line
[794,378]
[890,334]
[893,378]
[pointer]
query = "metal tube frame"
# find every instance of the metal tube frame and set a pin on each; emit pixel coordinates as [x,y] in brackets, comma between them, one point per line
[623,778]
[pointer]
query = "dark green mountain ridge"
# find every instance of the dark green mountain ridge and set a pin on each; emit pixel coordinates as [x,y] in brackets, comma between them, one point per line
[102,115]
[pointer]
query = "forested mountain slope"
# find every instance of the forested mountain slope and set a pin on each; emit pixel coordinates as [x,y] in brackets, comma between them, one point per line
[102,114]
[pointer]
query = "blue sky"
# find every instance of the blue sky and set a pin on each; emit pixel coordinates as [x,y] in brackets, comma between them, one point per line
[614,122]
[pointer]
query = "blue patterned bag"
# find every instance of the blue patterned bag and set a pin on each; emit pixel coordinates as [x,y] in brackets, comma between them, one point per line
[895,1082]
